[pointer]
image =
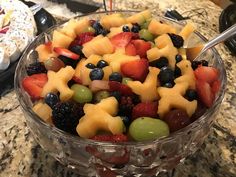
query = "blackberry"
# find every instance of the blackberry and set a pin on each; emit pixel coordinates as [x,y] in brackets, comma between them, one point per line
[51,99]
[66,115]
[36,68]
[159,63]
[127,104]
[177,40]
[68,61]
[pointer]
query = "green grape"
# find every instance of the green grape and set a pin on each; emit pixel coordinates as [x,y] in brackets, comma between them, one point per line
[89,29]
[126,79]
[145,24]
[146,35]
[101,95]
[82,94]
[146,128]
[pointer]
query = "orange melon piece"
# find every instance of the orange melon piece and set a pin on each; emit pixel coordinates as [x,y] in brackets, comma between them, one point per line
[157,28]
[139,17]
[113,20]
[187,31]
[79,67]
[60,39]
[99,46]
[43,111]
[69,28]
[81,25]
[107,72]
[45,52]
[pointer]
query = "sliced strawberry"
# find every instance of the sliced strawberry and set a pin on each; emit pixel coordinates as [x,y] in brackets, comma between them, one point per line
[82,39]
[148,109]
[215,87]
[141,47]
[136,70]
[66,53]
[34,84]
[48,44]
[206,73]
[135,36]
[122,88]
[204,92]
[130,50]
[4,30]
[121,40]
[111,138]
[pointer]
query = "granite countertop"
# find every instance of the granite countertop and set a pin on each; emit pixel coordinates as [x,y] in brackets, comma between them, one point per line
[21,156]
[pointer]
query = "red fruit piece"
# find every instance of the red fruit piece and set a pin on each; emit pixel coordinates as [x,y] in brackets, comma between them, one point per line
[77,80]
[148,109]
[121,40]
[130,50]
[177,119]
[84,37]
[141,47]
[206,73]
[4,30]
[34,84]
[122,88]
[205,93]
[48,44]
[111,138]
[215,87]
[136,70]
[66,53]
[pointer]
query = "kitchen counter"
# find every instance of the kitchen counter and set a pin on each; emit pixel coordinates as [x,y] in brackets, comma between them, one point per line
[21,156]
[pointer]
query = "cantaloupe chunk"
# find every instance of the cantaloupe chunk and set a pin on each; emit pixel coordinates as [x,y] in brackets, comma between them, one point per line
[187,31]
[69,28]
[99,46]
[60,40]
[113,20]
[43,111]
[117,30]
[139,17]
[158,28]
[79,67]
[81,25]
[45,52]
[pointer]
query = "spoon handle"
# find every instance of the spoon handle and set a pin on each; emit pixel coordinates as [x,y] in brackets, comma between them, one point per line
[220,38]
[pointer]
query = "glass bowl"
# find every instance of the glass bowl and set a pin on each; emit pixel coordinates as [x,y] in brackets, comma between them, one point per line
[91,158]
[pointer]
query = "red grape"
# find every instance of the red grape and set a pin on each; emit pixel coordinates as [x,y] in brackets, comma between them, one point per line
[54,64]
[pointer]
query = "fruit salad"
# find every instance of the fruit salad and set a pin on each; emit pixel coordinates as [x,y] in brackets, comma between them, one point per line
[120,78]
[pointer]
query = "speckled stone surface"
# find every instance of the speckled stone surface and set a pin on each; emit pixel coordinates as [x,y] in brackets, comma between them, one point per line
[21,156]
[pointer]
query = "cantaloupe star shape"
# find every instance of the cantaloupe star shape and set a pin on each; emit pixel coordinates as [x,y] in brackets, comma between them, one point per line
[116,59]
[57,82]
[187,74]
[173,98]
[100,116]
[164,48]
[147,89]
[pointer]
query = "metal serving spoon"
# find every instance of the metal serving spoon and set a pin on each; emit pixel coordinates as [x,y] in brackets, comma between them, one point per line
[194,53]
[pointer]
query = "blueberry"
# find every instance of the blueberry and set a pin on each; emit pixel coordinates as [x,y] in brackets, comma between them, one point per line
[178,58]
[191,94]
[96,25]
[102,31]
[166,75]
[126,120]
[195,64]
[159,63]
[76,49]
[125,28]
[90,66]
[102,64]
[51,99]
[135,28]
[177,72]
[96,74]
[168,85]
[115,77]
[204,63]
[116,94]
